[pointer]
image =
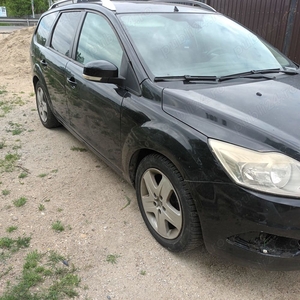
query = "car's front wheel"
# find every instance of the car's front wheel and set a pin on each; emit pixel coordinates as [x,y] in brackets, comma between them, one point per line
[166,205]
[46,116]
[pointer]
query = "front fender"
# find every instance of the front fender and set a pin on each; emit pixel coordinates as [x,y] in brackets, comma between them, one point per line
[186,148]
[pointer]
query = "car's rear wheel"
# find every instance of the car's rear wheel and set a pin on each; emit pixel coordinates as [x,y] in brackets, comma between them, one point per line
[166,205]
[46,116]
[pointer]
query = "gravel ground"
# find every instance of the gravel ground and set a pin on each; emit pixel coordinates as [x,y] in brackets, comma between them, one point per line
[90,200]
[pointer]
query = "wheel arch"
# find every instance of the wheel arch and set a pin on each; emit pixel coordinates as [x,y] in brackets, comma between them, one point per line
[38,76]
[135,160]
[35,80]
[167,141]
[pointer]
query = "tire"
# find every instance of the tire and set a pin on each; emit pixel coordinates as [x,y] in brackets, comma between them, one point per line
[46,116]
[166,205]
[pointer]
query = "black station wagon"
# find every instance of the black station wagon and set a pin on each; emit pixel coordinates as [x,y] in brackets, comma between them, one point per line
[199,114]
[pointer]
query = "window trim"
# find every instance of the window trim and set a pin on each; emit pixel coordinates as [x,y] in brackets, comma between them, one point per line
[49,46]
[79,30]
[51,28]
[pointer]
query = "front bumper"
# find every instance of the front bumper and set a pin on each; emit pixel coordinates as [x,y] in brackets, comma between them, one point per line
[249,228]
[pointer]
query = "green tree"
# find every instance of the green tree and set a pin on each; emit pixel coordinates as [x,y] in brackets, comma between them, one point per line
[20,8]
[40,6]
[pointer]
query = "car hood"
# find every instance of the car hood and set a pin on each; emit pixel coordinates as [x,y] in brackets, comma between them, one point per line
[261,115]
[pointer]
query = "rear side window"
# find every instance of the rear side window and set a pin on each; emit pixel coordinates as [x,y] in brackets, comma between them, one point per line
[64,32]
[43,31]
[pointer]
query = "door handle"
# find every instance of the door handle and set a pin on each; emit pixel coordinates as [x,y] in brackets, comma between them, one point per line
[72,82]
[43,63]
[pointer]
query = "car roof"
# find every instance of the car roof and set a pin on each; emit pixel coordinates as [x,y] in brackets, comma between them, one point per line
[142,6]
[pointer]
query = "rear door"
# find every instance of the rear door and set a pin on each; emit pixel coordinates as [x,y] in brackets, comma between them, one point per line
[55,58]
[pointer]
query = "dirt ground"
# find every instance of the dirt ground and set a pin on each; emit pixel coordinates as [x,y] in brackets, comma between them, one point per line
[89,199]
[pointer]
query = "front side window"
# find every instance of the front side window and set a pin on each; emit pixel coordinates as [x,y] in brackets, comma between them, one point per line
[197,45]
[98,41]
[64,32]
[43,31]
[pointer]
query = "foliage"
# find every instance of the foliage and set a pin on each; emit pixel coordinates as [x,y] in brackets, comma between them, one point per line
[58,226]
[8,163]
[43,278]
[22,8]
[20,202]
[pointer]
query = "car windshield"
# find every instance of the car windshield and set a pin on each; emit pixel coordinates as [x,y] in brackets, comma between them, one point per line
[179,44]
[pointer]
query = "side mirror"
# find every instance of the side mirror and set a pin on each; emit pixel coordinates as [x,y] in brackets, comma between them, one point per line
[102,71]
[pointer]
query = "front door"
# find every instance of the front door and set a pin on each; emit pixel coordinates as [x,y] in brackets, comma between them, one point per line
[94,106]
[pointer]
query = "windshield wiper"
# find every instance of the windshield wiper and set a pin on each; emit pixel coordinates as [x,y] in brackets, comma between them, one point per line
[245,75]
[186,78]
[200,78]
[255,74]
[290,71]
[286,70]
[259,74]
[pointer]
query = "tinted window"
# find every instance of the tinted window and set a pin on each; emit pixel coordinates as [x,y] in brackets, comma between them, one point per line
[64,32]
[44,28]
[98,41]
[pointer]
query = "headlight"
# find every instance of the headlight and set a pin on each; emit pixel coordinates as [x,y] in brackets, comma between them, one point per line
[269,172]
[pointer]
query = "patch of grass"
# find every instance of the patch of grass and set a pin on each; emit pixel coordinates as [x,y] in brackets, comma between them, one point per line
[14,245]
[5,272]
[18,101]
[49,280]
[59,209]
[23,175]
[128,202]
[42,175]
[54,171]
[2,89]
[6,243]
[58,226]
[2,144]
[4,256]
[143,272]
[54,257]
[112,258]
[7,108]
[20,202]
[16,147]
[5,192]
[8,163]
[11,229]
[42,207]
[15,128]
[78,149]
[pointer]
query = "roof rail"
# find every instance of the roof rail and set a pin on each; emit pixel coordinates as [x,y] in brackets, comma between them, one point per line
[109,5]
[66,2]
[188,2]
